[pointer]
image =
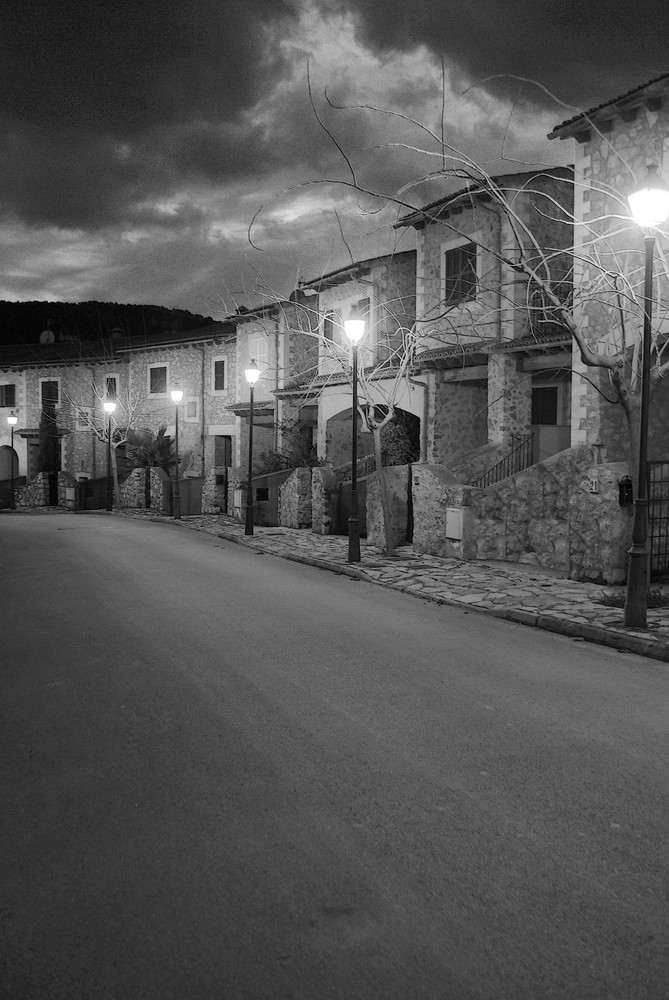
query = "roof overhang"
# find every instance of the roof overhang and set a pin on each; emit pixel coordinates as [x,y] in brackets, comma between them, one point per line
[626,105]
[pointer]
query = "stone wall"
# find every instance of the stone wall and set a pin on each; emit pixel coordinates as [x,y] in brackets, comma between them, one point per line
[214,491]
[295,500]
[324,483]
[456,422]
[550,515]
[132,490]
[397,487]
[35,493]
[440,513]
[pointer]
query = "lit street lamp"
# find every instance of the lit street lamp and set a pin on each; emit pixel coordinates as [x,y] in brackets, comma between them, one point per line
[12,420]
[649,206]
[252,374]
[109,407]
[177,396]
[355,329]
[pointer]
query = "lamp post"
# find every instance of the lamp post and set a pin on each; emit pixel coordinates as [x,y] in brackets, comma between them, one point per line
[252,374]
[177,396]
[649,205]
[12,420]
[109,407]
[355,329]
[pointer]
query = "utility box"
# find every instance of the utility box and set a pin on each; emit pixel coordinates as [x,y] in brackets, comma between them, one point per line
[454,523]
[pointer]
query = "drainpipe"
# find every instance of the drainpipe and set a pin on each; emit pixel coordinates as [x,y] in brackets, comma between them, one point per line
[276,385]
[202,423]
[93,411]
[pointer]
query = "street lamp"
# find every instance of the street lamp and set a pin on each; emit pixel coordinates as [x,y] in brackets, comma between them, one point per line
[177,396]
[12,420]
[355,329]
[649,205]
[109,407]
[252,374]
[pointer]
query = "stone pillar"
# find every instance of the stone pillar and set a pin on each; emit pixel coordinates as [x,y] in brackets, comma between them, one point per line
[509,398]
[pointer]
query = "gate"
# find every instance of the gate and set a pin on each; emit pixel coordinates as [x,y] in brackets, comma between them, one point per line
[658,518]
[94,493]
[190,496]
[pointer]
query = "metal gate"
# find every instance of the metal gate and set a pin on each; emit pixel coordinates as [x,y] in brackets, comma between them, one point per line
[658,518]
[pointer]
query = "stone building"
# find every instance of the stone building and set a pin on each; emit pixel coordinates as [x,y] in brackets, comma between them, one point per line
[76,378]
[614,143]
[202,364]
[382,291]
[493,371]
[278,336]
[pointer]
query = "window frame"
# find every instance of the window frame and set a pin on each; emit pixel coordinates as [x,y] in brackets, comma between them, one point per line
[105,378]
[153,367]
[191,401]
[3,388]
[214,361]
[42,382]
[450,247]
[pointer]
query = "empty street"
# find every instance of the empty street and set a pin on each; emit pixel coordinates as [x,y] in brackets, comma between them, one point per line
[227,776]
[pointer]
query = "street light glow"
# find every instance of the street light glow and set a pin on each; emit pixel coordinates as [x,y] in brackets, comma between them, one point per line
[252,373]
[177,395]
[12,419]
[649,203]
[109,405]
[355,329]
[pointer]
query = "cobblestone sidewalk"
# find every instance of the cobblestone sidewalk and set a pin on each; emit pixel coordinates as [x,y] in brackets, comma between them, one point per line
[517,592]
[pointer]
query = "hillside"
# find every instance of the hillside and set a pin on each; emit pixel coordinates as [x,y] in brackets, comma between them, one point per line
[24,322]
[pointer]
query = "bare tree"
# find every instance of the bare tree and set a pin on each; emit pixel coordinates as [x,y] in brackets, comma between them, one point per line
[112,430]
[563,286]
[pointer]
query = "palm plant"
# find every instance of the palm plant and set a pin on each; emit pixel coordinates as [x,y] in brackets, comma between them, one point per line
[148,450]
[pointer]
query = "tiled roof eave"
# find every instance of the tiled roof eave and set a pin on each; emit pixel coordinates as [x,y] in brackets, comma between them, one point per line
[656,87]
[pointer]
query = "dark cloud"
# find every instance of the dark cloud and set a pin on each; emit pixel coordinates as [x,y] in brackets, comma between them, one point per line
[583,52]
[102,103]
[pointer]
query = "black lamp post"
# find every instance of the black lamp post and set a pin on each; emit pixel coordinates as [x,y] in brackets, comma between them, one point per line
[252,374]
[177,396]
[12,420]
[650,207]
[109,407]
[355,329]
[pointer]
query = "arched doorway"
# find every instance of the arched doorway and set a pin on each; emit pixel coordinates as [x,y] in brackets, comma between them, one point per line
[8,458]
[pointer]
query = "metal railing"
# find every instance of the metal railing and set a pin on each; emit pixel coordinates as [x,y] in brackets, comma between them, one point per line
[520,457]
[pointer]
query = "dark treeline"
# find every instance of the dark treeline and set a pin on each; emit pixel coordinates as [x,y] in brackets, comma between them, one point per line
[24,322]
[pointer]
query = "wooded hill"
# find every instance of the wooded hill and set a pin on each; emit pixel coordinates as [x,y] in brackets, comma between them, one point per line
[25,322]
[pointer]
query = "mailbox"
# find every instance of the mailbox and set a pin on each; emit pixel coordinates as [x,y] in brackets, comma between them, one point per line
[625,492]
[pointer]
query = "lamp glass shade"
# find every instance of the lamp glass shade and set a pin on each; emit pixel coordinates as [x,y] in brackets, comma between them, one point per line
[177,395]
[12,419]
[109,405]
[355,330]
[649,203]
[252,373]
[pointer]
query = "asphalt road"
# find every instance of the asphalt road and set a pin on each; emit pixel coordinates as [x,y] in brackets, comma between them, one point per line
[231,777]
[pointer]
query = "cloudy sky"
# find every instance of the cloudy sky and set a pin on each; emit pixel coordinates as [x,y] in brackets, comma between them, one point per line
[141,138]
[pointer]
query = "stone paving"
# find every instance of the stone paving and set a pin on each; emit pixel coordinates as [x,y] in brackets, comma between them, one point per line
[517,592]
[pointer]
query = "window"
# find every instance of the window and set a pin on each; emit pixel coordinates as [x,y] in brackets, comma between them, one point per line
[49,391]
[157,380]
[545,405]
[111,386]
[223,450]
[220,375]
[332,327]
[258,350]
[460,274]
[8,395]
[83,418]
[190,409]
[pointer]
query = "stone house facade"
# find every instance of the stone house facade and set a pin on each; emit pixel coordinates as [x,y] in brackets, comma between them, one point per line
[613,145]
[279,337]
[382,290]
[77,378]
[492,369]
